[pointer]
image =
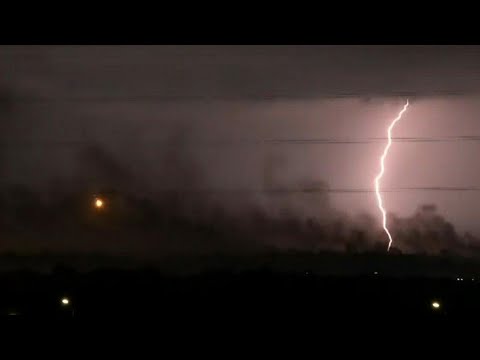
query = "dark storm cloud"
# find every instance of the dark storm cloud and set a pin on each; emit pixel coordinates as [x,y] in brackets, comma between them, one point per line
[7,104]
[102,168]
[126,118]
[239,72]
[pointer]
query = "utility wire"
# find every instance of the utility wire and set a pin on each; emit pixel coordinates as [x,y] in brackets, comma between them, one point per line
[246,142]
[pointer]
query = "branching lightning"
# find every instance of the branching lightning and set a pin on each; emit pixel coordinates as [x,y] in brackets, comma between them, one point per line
[382,171]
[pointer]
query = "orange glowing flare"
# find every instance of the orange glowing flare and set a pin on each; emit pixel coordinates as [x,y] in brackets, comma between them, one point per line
[99,203]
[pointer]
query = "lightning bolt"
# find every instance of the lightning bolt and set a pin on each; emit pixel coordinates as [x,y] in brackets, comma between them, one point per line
[382,171]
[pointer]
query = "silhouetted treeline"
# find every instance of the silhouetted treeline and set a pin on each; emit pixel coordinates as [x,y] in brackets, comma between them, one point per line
[293,262]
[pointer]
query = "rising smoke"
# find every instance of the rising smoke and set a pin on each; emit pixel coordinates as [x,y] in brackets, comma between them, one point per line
[184,216]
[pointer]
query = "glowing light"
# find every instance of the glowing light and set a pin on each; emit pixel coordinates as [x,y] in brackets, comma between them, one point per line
[436,305]
[382,171]
[99,203]
[65,301]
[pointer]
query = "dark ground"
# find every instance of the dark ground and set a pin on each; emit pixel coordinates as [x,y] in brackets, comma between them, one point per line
[257,296]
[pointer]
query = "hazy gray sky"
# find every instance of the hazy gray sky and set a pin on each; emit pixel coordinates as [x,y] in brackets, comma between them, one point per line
[130,100]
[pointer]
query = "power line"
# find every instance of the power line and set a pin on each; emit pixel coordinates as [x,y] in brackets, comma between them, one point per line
[215,96]
[242,191]
[330,190]
[333,140]
[240,142]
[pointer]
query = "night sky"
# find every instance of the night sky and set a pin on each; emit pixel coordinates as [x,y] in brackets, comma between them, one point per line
[223,122]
